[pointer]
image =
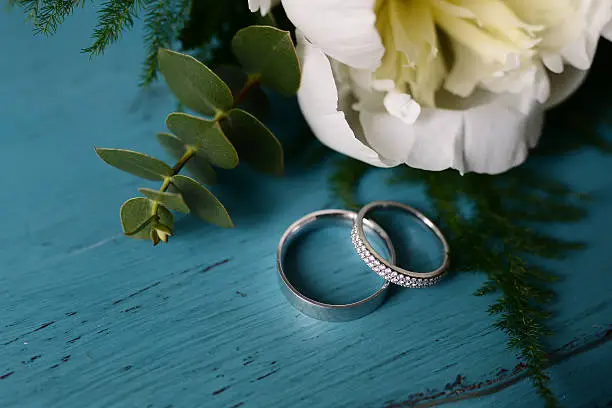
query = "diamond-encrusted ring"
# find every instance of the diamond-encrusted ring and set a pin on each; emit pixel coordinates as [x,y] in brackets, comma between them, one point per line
[326,311]
[388,270]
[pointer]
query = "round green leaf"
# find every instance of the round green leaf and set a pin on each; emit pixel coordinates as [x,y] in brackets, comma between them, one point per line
[194,84]
[269,52]
[198,166]
[136,211]
[170,200]
[202,202]
[138,164]
[206,136]
[255,143]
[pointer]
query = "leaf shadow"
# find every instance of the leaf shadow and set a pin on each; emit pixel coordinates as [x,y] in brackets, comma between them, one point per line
[247,195]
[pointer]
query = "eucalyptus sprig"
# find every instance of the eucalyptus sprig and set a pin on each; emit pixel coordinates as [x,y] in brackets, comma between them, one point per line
[223,135]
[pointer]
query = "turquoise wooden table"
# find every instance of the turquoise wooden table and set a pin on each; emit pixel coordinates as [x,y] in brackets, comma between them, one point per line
[90,318]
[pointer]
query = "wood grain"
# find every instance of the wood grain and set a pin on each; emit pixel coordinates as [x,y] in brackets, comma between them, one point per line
[91,318]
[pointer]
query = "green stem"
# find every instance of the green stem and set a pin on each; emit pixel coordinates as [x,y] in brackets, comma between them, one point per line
[189,153]
[142,226]
[252,82]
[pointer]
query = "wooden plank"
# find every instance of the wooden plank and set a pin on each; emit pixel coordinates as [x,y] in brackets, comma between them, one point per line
[90,317]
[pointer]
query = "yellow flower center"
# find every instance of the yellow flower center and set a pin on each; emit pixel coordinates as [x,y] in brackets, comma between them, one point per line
[418,56]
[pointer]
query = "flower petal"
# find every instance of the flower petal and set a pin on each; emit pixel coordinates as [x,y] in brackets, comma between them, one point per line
[498,136]
[553,62]
[530,80]
[607,31]
[470,71]
[564,84]
[389,136]
[318,99]
[344,30]
[264,6]
[597,14]
[432,143]
[491,137]
[402,106]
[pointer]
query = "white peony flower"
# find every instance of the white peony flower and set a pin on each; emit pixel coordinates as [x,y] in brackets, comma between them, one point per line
[489,137]
[441,83]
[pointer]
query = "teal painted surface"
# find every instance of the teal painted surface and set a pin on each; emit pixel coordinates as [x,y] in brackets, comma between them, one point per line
[91,318]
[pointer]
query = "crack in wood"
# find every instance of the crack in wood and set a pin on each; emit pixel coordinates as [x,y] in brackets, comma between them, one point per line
[138,292]
[216,264]
[460,390]
[45,325]
[32,359]
[220,390]
[267,375]
[74,340]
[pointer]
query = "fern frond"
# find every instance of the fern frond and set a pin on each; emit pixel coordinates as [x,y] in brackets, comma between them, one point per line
[114,17]
[159,31]
[493,239]
[47,15]
[163,20]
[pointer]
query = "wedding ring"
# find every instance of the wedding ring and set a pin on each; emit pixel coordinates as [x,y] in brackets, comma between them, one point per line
[387,269]
[326,311]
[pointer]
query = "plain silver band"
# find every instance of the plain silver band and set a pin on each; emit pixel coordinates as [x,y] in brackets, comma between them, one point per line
[324,311]
[388,270]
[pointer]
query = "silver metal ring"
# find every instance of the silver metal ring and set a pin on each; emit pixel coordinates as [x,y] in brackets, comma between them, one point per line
[388,270]
[325,311]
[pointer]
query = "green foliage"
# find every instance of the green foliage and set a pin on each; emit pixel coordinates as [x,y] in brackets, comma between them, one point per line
[268,53]
[205,27]
[114,17]
[493,237]
[198,144]
[248,94]
[137,219]
[202,202]
[199,167]
[171,201]
[194,84]
[138,164]
[163,20]
[206,137]
[47,15]
[255,143]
